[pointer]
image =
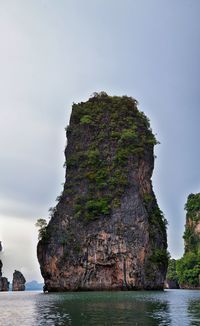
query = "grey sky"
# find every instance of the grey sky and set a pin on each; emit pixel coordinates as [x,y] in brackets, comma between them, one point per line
[53,53]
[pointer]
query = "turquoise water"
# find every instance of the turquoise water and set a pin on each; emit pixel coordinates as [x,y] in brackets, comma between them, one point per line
[171,307]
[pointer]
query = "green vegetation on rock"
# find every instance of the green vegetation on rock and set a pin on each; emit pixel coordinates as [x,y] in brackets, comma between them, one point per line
[120,135]
[41,224]
[188,270]
[193,207]
[157,222]
[191,236]
[160,256]
[188,267]
[171,271]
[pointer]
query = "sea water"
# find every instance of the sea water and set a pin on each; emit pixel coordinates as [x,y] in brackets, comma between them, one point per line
[170,307]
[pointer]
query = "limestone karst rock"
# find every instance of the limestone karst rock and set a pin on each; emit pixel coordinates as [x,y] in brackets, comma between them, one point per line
[0,261]
[188,267]
[107,231]
[18,283]
[170,284]
[192,226]
[4,284]
[0,269]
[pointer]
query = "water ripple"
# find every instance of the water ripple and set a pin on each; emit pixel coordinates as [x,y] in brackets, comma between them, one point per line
[172,307]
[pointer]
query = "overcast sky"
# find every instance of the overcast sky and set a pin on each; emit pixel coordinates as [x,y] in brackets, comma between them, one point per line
[53,53]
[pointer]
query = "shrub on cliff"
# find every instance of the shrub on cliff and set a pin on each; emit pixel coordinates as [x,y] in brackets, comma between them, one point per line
[41,224]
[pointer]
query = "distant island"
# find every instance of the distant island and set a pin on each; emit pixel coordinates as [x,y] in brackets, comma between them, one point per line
[31,286]
[107,230]
[34,286]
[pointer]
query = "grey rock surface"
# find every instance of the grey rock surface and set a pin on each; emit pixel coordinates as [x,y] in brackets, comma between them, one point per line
[18,283]
[125,247]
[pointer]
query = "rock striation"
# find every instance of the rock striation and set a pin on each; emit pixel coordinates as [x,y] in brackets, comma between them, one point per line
[107,231]
[4,284]
[18,283]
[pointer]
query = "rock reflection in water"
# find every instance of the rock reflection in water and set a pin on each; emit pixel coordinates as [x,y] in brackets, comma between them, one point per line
[104,308]
[172,307]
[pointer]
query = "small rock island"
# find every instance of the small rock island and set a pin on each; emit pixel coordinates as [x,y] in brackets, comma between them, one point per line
[18,283]
[107,231]
[4,284]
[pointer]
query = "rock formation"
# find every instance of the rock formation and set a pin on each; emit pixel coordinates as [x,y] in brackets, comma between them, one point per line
[4,284]
[107,231]
[18,283]
[192,227]
[188,267]
[1,265]
[171,284]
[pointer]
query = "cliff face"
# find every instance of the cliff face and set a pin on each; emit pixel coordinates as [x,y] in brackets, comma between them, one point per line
[107,231]
[18,283]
